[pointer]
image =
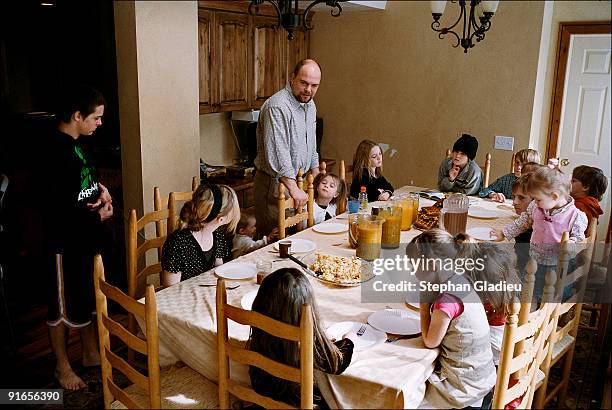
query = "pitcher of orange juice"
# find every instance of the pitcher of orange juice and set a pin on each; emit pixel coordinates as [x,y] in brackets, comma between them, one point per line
[391,229]
[369,237]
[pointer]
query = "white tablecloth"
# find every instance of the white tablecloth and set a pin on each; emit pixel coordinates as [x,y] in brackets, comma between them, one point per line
[389,375]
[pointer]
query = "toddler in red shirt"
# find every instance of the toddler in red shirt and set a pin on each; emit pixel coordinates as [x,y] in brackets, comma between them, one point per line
[588,186]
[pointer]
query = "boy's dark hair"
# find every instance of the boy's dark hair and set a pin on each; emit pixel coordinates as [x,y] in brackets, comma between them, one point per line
[82,98]
[592,178]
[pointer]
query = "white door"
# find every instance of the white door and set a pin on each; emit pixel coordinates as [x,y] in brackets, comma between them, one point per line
[584,130]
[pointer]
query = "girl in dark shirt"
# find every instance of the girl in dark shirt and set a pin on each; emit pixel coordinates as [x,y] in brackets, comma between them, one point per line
[367,164]
[196,247]
[281,296]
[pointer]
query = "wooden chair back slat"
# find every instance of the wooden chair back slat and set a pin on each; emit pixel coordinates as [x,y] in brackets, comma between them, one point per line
[128,371]
[268,325]
[249,358]
[284,204]
[122,333]
[108,359]
[121,396]
[247,394]
[154,243]
[276,328]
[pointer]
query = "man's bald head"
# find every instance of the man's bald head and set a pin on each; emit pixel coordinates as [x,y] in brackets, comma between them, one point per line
[305,80]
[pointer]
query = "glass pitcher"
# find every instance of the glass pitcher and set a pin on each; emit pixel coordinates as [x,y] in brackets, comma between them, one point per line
[453,217]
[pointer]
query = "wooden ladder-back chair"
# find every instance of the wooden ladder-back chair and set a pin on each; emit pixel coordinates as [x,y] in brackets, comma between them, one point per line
[155,389]
[599,311]
[563,338]
[522,351]
[486,169]
[323,168]
[344,170]
[227,350]
[299,216]
[135,252]
[512,162]
[160,203]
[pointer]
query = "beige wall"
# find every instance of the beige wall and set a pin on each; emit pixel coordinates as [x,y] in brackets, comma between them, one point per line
[387,76]
[563,11]
[217,146]
[157,61]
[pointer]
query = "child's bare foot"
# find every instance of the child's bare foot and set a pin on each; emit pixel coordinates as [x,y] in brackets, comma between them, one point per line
[69,380]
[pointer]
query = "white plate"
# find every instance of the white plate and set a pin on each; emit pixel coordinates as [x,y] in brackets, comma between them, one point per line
[411,303]
[330,228]
[371,337]
[236,270]
[299,245]
[396,321]
[481,233]
[247,300]
[482,213]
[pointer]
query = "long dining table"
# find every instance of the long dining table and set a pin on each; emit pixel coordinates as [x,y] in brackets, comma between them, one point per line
[387,375]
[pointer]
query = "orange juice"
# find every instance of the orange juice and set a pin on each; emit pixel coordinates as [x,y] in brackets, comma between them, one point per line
[370,236]
[415,206]
[406,213]
[392,226]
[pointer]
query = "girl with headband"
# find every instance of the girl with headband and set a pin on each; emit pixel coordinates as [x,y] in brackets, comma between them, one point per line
[192,249]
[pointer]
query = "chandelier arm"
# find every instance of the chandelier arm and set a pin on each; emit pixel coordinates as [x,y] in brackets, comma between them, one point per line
[443,32]
[334,4]
[307,12]
[273,3]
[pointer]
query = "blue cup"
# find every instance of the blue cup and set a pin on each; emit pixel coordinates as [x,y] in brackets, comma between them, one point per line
[353,206]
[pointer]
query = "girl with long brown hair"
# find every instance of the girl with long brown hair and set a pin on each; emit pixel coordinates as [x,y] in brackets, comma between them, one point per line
[280,297]
[367,171]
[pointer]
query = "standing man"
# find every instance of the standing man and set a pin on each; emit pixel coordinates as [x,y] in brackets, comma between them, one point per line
[286,142]
[74,206]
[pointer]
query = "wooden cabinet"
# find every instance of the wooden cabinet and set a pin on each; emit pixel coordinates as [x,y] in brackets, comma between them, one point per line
[268,48]
[205,42]
[231,57]
[243,59]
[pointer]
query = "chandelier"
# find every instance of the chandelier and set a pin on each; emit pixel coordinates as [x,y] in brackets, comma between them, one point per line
[475,25]
[290,17]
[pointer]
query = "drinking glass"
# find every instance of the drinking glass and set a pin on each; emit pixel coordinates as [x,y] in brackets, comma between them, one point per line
[405,202]
[353,206]
[415,205]
[264,268]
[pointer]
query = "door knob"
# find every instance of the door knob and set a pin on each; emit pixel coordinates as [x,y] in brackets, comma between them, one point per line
[564,162]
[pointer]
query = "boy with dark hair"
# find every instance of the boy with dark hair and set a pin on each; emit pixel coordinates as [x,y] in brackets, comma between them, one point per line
[588,186]
[76,204]
[459,172]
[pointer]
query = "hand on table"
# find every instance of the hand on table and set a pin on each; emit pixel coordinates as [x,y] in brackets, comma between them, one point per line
[497,197]
[497,234]
[384,195]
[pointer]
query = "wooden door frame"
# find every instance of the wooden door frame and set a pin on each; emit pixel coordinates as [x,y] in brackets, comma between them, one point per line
[565,32]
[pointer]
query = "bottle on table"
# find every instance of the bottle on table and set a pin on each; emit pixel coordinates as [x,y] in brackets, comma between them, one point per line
[363,198]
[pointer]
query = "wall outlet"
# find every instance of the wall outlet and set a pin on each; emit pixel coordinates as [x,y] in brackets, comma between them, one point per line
[504,143]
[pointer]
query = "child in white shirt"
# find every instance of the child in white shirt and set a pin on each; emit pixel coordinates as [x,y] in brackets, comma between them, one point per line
[243,242]
[329,191]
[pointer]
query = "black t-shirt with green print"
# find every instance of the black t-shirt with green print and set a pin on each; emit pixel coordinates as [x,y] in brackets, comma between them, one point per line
[72,184]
